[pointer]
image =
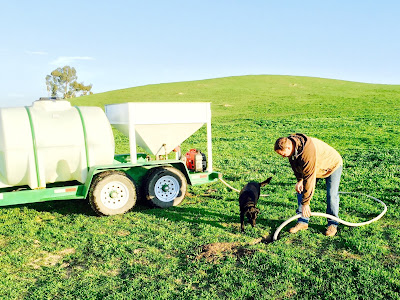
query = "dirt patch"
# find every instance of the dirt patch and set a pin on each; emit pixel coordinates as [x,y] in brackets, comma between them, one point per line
[216,251]
[113,272]
[290,293]
[48,259]
[123,233]
[348,255]
[3,241]
[209,192]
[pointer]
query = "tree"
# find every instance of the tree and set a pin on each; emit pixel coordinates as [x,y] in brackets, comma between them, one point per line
[63,82]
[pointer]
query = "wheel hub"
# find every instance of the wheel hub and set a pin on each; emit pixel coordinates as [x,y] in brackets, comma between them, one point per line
[167,188]
[114,195]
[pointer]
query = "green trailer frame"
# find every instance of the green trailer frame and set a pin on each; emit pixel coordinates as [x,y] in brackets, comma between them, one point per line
[75,190]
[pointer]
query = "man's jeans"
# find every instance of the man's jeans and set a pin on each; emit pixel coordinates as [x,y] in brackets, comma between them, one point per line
[332,197]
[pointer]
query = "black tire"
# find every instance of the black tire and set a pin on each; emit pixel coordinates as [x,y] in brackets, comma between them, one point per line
[112,193]
[165,187]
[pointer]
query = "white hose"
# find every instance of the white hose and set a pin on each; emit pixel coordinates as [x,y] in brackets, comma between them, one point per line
[232,188]
[317,214]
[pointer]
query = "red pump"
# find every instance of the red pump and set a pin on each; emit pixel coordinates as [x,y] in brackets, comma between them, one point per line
[196,160]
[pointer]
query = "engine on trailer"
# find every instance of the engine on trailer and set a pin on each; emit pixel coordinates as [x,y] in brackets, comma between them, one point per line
[196,160]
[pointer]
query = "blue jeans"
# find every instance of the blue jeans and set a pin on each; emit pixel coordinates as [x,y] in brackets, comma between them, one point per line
[332,197]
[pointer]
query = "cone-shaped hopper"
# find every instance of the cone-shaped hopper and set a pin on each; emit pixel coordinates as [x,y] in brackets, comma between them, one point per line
[158,127]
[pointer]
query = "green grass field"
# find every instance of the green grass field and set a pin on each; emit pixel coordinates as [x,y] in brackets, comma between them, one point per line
[61,250]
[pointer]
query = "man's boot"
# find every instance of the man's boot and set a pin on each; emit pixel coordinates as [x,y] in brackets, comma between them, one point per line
[299,226]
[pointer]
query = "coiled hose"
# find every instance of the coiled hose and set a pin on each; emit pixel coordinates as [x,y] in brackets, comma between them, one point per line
[317,214]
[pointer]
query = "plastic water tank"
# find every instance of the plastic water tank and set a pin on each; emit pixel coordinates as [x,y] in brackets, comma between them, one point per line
[51,141]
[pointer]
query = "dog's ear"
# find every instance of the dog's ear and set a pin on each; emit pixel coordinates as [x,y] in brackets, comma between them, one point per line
[266,182]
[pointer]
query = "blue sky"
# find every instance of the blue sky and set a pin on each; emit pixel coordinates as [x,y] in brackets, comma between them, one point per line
[120,44]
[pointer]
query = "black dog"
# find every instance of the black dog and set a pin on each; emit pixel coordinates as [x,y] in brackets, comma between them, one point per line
[248,197]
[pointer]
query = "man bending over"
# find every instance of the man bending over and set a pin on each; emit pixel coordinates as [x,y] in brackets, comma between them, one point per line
[311,158]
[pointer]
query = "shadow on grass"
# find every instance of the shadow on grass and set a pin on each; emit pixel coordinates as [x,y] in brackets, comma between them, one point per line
[191,215]
[63,207]
[208,217]
[69,207]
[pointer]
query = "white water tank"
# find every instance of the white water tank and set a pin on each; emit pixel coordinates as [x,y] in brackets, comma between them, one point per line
[52,141]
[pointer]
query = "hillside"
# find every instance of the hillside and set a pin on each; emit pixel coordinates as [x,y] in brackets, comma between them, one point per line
[284,104]
[261,91]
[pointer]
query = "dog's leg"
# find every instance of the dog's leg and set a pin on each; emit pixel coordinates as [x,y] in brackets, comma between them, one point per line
[241,221]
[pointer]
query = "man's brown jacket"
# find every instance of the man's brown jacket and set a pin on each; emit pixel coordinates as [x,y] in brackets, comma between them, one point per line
[312,159]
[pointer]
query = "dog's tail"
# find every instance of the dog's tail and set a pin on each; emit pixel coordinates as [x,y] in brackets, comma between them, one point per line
[266,182]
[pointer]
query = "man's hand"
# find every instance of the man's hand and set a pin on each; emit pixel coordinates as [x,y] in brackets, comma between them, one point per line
[299,186]
[306,211]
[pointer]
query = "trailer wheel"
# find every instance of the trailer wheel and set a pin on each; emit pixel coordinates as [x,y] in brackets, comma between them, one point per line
[112,193]
[165,187]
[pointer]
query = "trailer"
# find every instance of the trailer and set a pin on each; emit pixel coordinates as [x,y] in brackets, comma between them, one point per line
[54,151]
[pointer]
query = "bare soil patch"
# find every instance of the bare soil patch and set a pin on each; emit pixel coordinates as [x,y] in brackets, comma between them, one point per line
[50,259]
[216,251]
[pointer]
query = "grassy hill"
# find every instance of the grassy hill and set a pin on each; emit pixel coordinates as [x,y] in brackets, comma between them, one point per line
[195,251]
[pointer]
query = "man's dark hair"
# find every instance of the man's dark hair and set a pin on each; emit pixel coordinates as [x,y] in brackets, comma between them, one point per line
[281,143]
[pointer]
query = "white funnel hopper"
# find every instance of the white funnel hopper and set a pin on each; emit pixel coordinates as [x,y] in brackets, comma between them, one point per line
[159,127]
